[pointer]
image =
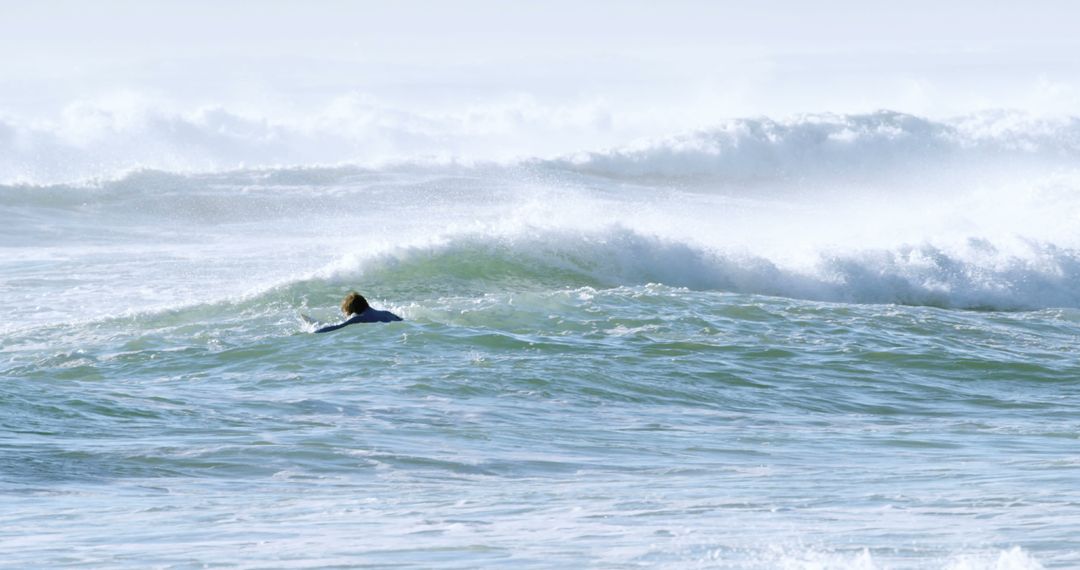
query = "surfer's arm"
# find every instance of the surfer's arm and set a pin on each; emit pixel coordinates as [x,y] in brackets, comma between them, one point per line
[365,317]
[329,328]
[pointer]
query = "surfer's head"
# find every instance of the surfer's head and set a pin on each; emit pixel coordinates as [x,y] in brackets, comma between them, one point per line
[354,304]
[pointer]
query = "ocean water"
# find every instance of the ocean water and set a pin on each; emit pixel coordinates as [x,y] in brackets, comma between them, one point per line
[834,341]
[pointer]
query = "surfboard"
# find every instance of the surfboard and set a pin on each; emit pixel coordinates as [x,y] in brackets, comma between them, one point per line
[310,324]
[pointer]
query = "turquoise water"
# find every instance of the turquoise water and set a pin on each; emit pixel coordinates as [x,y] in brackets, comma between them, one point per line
[595,370]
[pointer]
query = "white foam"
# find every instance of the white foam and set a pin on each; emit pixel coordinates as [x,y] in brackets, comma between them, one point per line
[802,557]
[1014,558]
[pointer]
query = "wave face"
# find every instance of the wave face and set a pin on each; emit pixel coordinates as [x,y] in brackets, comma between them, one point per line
[976,276]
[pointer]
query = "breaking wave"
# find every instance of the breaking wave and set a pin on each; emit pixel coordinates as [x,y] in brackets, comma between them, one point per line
[976,276]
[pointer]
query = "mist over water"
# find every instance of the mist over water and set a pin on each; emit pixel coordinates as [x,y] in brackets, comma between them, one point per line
[880,208]
[692,287]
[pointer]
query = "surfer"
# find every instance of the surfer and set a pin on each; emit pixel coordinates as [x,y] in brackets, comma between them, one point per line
[356,308]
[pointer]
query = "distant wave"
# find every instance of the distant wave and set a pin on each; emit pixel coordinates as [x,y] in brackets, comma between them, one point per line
[835,145]
[94,143]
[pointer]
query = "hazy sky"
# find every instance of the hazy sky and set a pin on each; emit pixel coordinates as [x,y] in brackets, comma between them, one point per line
[755,57]
[76,31]
[88,87]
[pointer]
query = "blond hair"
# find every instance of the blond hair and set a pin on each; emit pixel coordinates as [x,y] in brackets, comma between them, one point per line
[354,304]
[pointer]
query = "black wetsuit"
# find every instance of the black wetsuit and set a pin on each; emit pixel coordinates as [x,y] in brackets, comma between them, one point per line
[368,316]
